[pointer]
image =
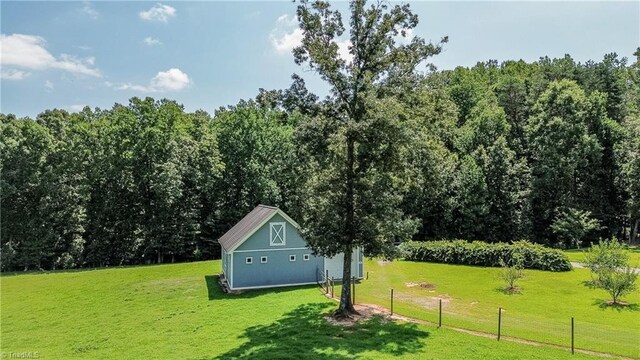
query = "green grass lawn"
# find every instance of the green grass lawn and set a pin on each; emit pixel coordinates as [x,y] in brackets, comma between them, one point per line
[578,255]
[178,312]
[542,311]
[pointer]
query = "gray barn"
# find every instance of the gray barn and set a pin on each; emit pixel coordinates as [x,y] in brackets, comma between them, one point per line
[265,249]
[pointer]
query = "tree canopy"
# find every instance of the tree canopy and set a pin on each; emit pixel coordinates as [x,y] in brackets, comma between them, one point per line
[547,151]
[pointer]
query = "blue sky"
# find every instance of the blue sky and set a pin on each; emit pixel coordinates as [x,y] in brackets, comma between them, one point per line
[211,54]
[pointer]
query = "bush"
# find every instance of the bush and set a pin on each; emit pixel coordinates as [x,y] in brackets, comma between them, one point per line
[618,282]
[608,255]
[479,253]
[510,274]
[609,265]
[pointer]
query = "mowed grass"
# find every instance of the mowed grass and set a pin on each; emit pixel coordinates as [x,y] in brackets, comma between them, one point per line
[578,255]
[178,312]
[541,311]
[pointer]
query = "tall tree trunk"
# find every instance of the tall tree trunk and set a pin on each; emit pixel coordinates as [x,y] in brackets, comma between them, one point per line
[346,306]
[634,234]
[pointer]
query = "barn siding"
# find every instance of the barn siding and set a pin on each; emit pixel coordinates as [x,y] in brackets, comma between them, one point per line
[278,270]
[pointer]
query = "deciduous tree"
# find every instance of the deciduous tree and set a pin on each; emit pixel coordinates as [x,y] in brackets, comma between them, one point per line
[357,148]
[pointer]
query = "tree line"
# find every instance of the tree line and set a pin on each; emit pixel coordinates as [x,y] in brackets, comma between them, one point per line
[547,151]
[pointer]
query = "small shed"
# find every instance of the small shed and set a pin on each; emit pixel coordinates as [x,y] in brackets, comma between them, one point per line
[265,249]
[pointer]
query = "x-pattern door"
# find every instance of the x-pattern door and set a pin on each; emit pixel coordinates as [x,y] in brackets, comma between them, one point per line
[277,234]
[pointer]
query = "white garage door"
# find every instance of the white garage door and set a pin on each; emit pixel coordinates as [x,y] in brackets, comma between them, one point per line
[334,265]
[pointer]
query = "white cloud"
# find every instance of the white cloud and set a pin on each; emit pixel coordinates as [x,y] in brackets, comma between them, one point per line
[28,51]
[13,74]
[48,85]
[286,36]
[152,41]
[88,10]
[171,80]
[76,107]
[75,65]
[343,50]
[158,12]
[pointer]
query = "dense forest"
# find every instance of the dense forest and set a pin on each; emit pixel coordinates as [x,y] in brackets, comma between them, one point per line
[499,152]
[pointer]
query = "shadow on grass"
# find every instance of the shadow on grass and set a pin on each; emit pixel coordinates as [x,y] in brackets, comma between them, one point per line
[304,333]
[214,291]
[605,305]
[504,291]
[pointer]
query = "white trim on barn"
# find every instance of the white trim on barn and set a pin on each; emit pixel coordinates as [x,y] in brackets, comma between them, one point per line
[287,249]
[231,278]
[272,286]
[277,233]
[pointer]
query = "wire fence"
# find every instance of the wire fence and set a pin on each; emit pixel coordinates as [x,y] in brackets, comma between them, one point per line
[573,333]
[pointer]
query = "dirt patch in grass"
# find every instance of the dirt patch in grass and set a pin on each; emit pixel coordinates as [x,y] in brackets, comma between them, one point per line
[617,304]
[365,312]
[427,302]
[422,285]
[383,262]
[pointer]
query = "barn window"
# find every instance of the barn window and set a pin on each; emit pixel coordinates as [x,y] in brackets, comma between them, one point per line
[292,258]
[248,260]
[305,257]
[263,259]
[277,234]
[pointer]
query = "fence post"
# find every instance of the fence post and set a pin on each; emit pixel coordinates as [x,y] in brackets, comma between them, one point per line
[572,336]
[440,313]
[499,321]
[391,302]
[332,287]
[326,280]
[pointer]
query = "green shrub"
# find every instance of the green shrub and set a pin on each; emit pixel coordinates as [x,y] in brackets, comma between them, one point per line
[608,255]
[479,253]
[617,282]
[510,274]
[610,269]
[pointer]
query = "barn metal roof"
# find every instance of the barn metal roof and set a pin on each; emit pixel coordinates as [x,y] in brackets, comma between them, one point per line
[250,224]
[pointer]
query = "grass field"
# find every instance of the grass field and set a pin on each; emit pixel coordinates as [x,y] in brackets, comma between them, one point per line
[178,312]
[578,255]
[542,310]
